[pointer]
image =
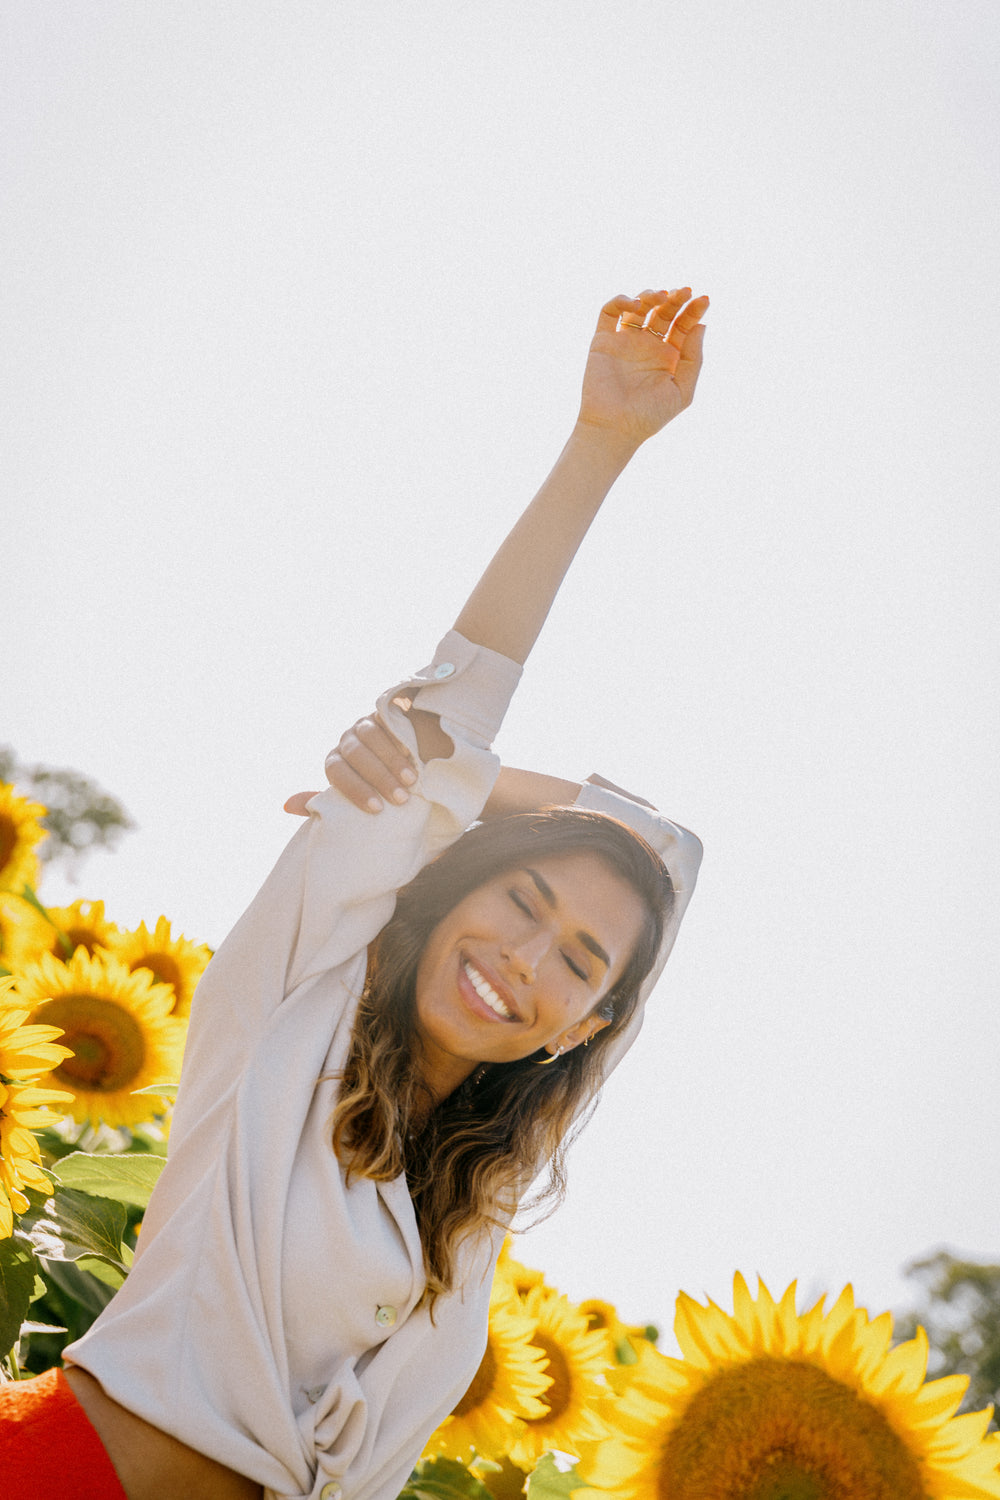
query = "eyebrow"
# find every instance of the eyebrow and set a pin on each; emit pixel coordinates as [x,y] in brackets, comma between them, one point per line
[549,896]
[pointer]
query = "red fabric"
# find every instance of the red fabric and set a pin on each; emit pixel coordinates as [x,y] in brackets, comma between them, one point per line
[48,1448]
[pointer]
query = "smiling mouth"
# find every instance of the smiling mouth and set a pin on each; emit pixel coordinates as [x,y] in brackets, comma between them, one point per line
[486,992]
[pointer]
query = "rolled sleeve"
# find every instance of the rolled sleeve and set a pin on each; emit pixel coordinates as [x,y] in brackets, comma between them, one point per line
[681,852]
[467,686]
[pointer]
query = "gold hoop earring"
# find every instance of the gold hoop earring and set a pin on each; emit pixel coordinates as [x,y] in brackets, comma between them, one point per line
[552,1057]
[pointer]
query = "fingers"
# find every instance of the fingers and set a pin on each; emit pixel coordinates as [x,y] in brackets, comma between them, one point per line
[689,364]
[299,804]
[612,311]
[371,767]
[662,313]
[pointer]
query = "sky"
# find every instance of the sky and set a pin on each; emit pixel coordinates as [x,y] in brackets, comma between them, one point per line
[296,302]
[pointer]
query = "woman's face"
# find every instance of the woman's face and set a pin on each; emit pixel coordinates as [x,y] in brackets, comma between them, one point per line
[521,963]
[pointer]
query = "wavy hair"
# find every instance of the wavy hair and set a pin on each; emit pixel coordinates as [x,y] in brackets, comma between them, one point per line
[476,1153]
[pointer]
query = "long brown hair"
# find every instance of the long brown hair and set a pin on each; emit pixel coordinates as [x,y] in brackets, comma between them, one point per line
[481,1147]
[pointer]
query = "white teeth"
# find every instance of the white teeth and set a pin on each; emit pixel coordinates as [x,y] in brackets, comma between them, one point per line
[487,993]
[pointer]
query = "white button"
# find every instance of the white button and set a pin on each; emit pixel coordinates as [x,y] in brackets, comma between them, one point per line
[331,1491]
[385,1316]
[444,669]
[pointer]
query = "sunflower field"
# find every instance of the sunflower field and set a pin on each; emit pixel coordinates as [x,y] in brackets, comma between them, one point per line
[764,1403]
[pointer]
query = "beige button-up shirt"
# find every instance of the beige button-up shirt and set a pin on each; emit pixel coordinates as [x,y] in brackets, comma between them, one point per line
[270,1320]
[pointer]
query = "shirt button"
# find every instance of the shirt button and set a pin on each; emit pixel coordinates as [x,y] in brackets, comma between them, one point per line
[385,1316]
[444,669]
[331,1491]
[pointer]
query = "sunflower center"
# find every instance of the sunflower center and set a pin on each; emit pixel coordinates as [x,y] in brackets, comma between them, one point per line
[777,1429]
[8,838]
[162,966]
[560,1392]
[482,1385]
[75,937]
[107,1042]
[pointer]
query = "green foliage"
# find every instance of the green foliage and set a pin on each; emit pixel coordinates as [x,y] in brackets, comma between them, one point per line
[17,1285]
[443,1479]
[550,1482]
[77,1226]
[71,1251]
[127,1177]
[960,1312]
[81,816]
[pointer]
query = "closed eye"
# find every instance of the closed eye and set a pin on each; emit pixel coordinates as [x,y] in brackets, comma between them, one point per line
[520,903]
[580,973]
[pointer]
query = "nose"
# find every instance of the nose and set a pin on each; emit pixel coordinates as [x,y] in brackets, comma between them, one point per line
[525,956]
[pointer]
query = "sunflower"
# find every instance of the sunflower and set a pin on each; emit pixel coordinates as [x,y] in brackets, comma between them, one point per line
[20,831]
[119,1027]
[82,924]
[25,1052]
[523,1277]
[577,1360]
[623,1338]
[171,960]
[770,1405]
[24,932]
[506,1387]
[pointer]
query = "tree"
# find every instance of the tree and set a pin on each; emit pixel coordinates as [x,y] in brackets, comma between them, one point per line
[81,816]
[961,1315]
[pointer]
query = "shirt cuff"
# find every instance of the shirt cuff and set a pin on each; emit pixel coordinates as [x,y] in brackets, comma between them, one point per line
[468,685]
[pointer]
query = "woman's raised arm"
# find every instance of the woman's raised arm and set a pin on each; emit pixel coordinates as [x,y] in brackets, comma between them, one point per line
[641,372]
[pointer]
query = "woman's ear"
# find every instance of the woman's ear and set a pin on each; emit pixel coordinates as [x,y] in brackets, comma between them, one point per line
[583,1031]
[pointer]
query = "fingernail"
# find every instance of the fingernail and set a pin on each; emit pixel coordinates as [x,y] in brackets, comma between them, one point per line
[400,796]
[407,775]
[374,805]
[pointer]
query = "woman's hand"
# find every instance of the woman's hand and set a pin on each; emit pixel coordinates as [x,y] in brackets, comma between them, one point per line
[370,766]
[643,363]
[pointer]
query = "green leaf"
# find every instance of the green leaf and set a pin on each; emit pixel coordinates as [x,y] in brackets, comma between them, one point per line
[83,1296]
[127,1178]
[71,1225]
[548,1482]
[17,1282]
[443,1479]
[162,1090]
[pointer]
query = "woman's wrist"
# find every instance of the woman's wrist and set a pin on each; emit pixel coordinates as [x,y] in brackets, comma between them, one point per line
[606,446]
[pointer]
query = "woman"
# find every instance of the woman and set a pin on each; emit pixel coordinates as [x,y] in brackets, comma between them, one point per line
[396,1036]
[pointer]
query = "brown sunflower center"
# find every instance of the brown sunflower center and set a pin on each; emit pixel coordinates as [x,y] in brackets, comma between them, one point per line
[778,1429]
[8,839]
[163,967]
[107,1042]
[560,1392]
[68,939]
[482,1385]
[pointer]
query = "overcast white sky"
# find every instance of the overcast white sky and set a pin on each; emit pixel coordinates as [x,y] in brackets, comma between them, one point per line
[296,302]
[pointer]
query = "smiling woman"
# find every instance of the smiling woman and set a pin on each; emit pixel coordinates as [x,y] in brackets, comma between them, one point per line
[399,1034]
[469,997]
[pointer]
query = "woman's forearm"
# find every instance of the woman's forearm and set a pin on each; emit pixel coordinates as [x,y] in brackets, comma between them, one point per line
[507,608]
[527,791]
